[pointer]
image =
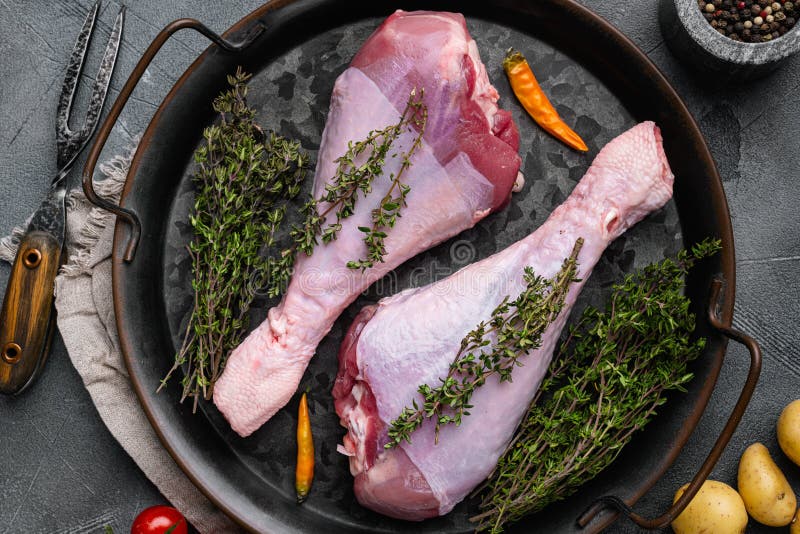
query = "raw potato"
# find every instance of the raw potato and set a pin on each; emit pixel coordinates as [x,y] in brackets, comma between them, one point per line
[789,431]
[767,495]
[716,508]
[795,528]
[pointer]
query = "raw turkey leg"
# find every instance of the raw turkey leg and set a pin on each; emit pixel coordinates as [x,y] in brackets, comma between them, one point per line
[463,171]
[411,339]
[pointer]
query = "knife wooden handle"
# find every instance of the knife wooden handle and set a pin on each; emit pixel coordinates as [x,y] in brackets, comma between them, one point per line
[27,320]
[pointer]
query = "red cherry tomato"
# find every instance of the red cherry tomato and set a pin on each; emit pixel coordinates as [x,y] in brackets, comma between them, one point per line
[159,520]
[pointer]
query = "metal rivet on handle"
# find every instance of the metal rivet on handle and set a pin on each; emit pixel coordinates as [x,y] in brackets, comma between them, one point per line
[32,258]
[12,353]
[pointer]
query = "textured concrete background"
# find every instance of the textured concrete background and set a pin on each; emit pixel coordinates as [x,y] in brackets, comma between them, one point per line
[61,469]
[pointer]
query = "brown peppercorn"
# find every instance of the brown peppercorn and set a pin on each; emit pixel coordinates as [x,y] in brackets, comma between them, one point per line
[748,21]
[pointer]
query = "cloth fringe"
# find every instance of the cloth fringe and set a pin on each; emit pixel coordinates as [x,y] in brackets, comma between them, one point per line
[10,243]
[115,172]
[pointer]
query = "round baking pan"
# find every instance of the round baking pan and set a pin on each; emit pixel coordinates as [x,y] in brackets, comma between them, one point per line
[601,82]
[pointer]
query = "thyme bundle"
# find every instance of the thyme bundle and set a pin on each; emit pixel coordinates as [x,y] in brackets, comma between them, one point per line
[244,178]
[518,326]
[606,382]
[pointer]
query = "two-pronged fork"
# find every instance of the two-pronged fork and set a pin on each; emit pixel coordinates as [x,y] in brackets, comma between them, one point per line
[27,320]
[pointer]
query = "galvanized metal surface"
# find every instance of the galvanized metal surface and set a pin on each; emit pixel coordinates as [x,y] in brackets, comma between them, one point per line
[55,445]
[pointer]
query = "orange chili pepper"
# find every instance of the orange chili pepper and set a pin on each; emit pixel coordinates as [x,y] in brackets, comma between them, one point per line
[535,102]
[304,474]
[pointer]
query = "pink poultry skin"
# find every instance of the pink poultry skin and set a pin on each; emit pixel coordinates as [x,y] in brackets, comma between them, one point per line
[411,339]
[464,170]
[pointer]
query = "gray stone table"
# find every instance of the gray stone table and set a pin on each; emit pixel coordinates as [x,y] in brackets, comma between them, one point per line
[61,471]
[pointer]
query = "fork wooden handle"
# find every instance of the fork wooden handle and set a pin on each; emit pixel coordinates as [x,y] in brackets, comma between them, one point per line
[27,321]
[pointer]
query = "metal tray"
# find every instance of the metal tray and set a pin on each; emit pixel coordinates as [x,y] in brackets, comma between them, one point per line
[600,81]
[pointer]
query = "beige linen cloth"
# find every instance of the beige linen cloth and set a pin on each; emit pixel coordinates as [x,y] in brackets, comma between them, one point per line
[87,325]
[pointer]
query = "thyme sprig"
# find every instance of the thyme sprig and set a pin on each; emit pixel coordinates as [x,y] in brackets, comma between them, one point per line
[386,214]
[517,326]
[356,171]
[606,382]
[243,180]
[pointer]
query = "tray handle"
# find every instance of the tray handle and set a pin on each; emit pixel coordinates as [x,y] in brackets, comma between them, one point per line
[662,521]
[163,36]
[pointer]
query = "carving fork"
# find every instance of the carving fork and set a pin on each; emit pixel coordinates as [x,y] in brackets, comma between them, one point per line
[27,320]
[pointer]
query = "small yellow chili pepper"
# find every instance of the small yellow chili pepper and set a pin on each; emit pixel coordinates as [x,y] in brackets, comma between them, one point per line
[304,474]
[535,102]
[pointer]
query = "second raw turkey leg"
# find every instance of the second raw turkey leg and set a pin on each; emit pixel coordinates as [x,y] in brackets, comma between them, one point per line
[413,337]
